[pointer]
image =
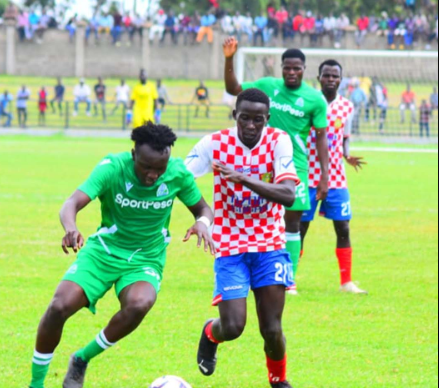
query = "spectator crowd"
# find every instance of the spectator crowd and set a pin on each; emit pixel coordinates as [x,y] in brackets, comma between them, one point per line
[402,31]
[369,95]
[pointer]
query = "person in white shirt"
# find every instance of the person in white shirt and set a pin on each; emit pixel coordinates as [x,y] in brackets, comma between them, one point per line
[82,94]
[247,26]
[158,27]
[122,96]
[343,23]
[227,24]
[330,25]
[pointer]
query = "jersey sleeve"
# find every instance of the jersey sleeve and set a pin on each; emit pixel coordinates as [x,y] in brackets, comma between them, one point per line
[200,159]
[100,179]
[260,84]
[189,194]
[320,115]
[284,167]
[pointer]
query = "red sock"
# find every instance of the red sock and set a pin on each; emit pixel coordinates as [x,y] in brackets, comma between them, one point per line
[209,333]
[277,370]
[344,256]
[301,253]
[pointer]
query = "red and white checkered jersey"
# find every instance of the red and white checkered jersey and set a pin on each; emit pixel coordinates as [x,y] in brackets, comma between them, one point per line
[340,116]
[244,221]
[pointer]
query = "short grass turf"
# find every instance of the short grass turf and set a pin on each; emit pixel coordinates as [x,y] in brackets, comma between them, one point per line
[385,340]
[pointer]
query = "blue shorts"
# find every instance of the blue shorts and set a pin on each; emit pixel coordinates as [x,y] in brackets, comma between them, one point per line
[236,275]
[336,207]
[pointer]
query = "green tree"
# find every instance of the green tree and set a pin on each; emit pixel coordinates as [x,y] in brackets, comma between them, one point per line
[3,4]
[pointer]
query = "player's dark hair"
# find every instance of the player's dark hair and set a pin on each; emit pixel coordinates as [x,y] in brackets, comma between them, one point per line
[253,95]
[294,54]
[158,137]
[332,63]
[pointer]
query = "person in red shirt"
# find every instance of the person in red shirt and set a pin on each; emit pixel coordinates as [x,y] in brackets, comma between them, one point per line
[298,26]
[408,101]
[363,27]
[309,25]
[281,17]
[42,106]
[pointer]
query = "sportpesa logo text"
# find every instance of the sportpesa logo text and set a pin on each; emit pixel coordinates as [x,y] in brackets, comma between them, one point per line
[133,204]
[286,108]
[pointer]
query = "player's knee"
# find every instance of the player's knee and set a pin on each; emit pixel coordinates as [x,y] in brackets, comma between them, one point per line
[343,230]
[137,309]
[272,333]
[233,330]
[59,310]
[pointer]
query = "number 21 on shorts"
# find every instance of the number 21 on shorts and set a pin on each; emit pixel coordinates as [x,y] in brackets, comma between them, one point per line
[346,209]
[284,273]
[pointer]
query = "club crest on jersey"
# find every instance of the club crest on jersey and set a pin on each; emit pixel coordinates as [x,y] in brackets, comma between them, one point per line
[163,190]
[300,102]
[338,124]
[128,186]
[267,178]
[276,93]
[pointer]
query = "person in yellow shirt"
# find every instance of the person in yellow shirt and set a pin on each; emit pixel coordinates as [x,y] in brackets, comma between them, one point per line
[143,101]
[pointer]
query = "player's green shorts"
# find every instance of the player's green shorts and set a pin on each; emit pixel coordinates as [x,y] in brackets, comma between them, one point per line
[96,272]
[303,202]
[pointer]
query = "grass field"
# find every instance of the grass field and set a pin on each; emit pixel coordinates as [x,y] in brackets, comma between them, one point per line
[386,340]
[180,115]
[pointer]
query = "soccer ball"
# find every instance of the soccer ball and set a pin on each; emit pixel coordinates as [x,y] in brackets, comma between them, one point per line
[169,382]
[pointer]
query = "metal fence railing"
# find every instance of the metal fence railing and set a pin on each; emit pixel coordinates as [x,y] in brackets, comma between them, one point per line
[200,118]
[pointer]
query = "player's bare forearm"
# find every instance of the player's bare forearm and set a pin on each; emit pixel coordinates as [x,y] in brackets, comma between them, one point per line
[323,152]
[202,209]
[323,155]
[283,193]
[204,218]
[73,238]
[71,208]
[233,87]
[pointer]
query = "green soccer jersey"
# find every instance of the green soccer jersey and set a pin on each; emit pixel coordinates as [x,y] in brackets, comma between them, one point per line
[135,218]
[294,111]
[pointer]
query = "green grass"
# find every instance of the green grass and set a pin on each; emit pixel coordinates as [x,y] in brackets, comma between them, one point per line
[386,340]
[182,117]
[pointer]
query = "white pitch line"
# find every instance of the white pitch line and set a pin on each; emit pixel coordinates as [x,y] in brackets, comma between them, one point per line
[397,150]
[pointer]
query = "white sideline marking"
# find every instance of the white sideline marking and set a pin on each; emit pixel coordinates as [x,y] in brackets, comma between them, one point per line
[397,150]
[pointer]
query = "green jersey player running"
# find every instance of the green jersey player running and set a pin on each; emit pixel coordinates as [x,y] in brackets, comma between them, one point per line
[137,192]
[295,108]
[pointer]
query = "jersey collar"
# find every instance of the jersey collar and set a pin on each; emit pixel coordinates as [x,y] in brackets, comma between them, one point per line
[242,145]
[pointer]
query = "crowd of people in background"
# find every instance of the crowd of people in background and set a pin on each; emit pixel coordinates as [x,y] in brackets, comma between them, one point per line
[402,31]
[369,95]
[371,102]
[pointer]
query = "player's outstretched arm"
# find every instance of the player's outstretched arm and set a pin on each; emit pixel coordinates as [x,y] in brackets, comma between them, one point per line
[73,238]
[283,193]
[323,154]
[230,47]
[204,219]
